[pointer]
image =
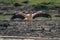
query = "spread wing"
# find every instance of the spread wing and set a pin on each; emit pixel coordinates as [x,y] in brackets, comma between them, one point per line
[22,14]
[41,14]
[19,15]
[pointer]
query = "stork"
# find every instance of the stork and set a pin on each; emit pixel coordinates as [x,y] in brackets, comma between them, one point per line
[31,15]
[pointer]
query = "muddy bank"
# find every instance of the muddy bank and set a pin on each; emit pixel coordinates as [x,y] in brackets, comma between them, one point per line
[31,28]
[8,9]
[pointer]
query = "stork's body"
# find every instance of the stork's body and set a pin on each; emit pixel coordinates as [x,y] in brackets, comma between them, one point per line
[29,16]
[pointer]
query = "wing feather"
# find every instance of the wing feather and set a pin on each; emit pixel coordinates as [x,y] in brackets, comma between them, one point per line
[40,14]
[19,15]
[22,14]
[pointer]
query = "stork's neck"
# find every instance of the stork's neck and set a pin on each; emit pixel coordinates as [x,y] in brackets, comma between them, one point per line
[30,14]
